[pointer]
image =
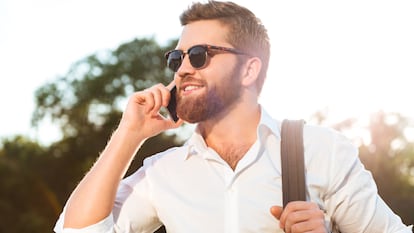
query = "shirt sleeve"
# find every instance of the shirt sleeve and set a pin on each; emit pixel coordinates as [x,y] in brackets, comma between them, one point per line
[104,226]
[133,210]
[352,199]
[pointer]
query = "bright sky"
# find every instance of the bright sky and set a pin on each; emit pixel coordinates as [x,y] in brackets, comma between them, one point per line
[352,57]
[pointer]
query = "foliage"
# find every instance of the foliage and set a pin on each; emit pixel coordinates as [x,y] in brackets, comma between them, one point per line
[388,155]
[89,97]
[390,158]
[26,199]
[86,104]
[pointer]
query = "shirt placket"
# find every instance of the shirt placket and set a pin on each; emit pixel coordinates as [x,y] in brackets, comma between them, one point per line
[232,207]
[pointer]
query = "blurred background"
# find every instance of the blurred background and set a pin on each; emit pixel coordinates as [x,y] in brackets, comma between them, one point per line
[68,66]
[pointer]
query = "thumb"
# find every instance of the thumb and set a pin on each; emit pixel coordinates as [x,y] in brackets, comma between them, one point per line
[276,211]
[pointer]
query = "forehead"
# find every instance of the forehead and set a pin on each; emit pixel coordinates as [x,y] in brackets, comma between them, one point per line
[203,32]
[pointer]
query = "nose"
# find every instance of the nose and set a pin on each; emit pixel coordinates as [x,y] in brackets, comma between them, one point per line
[185,67]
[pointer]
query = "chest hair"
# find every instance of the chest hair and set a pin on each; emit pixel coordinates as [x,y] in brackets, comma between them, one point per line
[232,153]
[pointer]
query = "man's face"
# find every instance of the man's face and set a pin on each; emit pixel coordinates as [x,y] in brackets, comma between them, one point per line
[206,93]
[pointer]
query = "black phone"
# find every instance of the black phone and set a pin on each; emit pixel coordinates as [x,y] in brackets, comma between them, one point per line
[172,105]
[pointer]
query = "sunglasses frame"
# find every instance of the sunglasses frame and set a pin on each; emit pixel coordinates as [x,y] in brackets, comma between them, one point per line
[208,49]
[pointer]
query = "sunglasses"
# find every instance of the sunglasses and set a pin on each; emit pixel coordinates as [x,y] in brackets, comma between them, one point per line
[197,54]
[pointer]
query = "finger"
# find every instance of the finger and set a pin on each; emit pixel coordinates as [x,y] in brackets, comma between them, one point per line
[276,211]
[169,88]
[307,214]
[170,124]
[290,208]
[159,94]
[144,98]
[179,122]
[167,94]
[300,205]
[312,225]
[171,85]
[297,206]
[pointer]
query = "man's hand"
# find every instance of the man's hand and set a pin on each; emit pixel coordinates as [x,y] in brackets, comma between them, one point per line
[142,111]
[299,217]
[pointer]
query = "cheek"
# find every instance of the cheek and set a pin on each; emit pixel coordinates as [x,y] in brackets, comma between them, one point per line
[219,74]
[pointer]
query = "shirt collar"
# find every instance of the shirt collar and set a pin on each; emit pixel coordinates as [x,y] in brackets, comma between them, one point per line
[267,125]
[195,144]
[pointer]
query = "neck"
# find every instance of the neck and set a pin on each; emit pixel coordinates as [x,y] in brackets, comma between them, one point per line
[232,135]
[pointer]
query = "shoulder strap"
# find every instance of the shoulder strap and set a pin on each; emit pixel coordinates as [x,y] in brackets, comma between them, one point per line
[293,165]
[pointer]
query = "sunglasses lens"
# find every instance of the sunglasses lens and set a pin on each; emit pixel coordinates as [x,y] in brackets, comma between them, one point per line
[197,55]
[174,60]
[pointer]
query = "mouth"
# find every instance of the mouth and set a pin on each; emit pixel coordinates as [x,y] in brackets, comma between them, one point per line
[190,88]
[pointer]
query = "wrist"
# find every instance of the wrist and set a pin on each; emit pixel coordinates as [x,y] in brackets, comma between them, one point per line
[126,134]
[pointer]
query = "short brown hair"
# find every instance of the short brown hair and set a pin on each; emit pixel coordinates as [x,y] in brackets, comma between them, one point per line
[246,31]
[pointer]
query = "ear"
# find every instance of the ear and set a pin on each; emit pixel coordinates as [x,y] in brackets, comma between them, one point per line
[252,70]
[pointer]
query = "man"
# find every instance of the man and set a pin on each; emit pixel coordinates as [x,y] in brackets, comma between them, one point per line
[226,178]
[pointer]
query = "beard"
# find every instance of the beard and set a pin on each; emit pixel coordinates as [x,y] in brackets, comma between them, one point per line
[212,103]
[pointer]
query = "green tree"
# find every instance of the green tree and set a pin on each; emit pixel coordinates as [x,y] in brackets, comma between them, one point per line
[90,97]
[26,198]
[87,102]
[388,155]
[390,158]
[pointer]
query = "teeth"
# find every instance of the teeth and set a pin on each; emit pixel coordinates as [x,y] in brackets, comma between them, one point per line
[190,88]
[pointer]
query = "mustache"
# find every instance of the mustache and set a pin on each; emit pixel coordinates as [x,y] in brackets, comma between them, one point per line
[190,79]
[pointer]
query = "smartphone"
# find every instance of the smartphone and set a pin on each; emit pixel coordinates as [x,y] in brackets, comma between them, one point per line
[172,105]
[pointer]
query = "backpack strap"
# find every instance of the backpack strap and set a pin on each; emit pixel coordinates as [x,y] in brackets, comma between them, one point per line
[293,165]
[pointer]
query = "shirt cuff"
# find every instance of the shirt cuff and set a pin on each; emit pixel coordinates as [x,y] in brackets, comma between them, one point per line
[408,229]
[103,226]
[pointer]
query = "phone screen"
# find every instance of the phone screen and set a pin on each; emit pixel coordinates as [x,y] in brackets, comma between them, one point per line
[172,105]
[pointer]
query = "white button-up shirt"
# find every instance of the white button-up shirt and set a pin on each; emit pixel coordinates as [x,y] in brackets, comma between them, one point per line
[192,189]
